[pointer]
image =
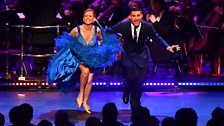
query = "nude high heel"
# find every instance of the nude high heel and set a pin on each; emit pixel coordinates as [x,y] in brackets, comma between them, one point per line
[87,108]
[79,101]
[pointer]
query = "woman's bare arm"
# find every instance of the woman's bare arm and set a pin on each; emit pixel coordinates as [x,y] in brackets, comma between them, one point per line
[74,32]
[99,35]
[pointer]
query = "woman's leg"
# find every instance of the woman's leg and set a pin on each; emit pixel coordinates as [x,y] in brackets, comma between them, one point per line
[83,80]
[87,91]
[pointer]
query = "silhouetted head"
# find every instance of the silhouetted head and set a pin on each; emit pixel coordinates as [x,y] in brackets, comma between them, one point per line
[27,112]
[217,117]
[44,123]
[140,116]
[153,121]
[168,121]
[218,113]
[109,112]
[61,118]
[2,119]
[15,115]
[186,117]
[93,121]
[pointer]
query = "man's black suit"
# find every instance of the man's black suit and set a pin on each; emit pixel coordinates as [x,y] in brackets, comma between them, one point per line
[135,57]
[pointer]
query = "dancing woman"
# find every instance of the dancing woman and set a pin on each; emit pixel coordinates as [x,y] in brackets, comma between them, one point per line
[86,47]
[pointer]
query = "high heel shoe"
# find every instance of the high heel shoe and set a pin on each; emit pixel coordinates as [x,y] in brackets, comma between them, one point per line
[87,108]
[79,103]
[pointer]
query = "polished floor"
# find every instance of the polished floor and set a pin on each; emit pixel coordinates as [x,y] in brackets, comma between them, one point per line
[160,103]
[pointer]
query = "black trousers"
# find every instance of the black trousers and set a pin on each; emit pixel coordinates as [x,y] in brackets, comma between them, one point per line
[134,80]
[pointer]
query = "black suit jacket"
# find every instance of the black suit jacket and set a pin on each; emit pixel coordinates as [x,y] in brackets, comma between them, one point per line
[137,53]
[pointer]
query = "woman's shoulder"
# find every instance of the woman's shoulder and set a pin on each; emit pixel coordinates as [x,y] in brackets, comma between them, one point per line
[74,32]
[98,30]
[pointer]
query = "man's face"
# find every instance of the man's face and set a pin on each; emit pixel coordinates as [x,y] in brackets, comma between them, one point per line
[135,17]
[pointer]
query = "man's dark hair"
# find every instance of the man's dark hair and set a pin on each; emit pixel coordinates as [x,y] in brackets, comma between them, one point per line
[135,8]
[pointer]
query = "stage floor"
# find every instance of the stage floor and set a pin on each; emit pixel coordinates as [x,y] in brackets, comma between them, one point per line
[161,104]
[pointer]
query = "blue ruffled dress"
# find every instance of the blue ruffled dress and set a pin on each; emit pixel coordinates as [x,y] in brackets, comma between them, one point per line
[73,50]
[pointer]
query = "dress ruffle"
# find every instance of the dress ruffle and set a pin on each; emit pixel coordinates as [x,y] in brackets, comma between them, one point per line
[71,52]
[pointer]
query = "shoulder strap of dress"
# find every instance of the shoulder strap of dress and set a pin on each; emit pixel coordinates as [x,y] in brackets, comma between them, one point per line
[95,27]
[78,27]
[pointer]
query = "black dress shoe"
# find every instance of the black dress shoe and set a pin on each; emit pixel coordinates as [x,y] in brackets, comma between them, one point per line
[125,99]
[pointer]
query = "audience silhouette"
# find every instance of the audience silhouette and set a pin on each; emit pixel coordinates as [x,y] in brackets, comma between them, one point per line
[140,116]
[93,121]
[14,116]
[186,117]
[217,117]
[22,115]
[62,119]
[110,114]
[153,121]
[26,114]
[44,123]
[2,119]
[168,121]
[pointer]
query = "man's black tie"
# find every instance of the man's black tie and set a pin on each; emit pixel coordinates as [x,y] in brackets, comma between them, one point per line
[135,33]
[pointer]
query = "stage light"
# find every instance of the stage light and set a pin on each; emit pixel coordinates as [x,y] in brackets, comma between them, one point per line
[115,84]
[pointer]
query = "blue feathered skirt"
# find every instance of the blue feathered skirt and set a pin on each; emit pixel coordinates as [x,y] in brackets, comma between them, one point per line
[63,65]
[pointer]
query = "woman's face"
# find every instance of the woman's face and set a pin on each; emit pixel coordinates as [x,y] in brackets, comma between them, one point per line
[88,17]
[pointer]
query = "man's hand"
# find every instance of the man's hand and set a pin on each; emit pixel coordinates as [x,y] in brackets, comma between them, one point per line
[171,48]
